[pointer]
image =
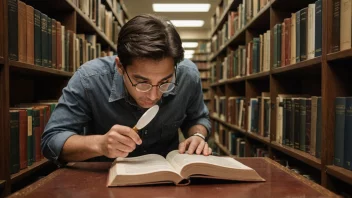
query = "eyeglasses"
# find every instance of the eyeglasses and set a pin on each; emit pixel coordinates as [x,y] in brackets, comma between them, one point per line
[165,87]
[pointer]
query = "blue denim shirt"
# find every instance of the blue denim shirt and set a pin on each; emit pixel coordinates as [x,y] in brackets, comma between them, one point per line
[95,99]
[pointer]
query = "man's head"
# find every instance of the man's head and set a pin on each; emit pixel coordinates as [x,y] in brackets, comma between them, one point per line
[148,50]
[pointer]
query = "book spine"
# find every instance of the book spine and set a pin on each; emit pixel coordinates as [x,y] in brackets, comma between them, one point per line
[12,29]
[44,29]
[335,40]
[303,34]
[318,28]
[22,32]
[298,37]
[348,135]
[53,43]
[340,109]
[49,48]
[30,140]
[30,35]
[297,125]
[302,131]
[318,128]
[37,38]
[283,47]
[290,122]
[14,142]
[308,124]
[58,46]
[275,47]
[284,123]
[23,125]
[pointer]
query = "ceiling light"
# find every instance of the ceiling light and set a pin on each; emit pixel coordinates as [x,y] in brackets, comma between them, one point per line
[189,51]
[189,44]
[189,56]
[187,23]
[200,7]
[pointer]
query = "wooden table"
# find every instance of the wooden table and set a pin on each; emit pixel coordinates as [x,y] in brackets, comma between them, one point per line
[88,179]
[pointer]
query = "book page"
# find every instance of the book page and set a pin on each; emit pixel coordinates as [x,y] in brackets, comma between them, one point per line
[141,165]
[178,161]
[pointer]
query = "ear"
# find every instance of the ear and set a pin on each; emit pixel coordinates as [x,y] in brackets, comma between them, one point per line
[119,66]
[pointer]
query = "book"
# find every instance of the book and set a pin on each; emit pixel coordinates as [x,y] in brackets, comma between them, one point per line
[178,169]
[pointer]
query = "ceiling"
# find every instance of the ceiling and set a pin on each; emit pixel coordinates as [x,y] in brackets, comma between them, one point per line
[136,7]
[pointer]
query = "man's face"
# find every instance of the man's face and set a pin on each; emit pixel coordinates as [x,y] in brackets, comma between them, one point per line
[147,71]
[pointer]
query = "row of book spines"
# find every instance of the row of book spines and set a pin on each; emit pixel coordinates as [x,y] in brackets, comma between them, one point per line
[202,65]
[300,124]
[342,135]
[259,115]
[234,143]
[37,39]
[236,111]
[341,25]
[27,123]
[300,37]
[95,10]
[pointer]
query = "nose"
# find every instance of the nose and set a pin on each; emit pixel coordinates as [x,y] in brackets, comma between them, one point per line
[154,93]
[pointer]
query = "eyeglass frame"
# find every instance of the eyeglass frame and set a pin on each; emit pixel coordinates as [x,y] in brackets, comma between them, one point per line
[135,85]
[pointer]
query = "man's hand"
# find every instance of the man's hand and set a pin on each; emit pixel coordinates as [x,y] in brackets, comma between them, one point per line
[194,144]
[119,142]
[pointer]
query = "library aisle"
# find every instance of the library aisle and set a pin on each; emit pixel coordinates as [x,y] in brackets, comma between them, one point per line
[274,77]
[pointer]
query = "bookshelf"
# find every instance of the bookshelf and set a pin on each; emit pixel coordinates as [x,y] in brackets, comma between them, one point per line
[24,67]
[23,82]
[326,76]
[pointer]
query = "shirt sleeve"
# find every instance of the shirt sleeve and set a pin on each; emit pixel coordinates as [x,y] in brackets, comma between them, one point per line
[71,114]
[197,112]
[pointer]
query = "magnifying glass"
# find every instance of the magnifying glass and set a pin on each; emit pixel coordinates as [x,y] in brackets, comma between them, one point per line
[146,118]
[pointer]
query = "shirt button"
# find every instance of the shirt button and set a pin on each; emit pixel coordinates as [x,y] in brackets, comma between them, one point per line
[145,132]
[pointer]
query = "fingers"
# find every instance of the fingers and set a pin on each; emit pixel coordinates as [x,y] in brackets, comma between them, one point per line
[207,150]
[127,131]
[183,145]
[200,147]
[192,147]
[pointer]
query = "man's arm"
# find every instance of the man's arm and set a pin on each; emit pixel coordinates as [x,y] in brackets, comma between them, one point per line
[197,121]
[68,119]
[62,140]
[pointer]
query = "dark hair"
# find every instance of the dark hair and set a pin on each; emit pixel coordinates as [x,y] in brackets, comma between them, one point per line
[148,36]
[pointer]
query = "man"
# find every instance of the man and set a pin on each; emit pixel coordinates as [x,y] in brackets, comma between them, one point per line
[108,95]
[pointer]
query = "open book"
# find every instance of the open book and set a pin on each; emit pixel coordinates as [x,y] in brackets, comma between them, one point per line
[177,168]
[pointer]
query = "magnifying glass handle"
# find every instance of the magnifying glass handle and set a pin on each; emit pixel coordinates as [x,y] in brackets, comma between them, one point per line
[135,129]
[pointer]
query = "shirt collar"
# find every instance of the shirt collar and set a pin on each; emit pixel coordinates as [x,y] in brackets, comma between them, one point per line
[118,90]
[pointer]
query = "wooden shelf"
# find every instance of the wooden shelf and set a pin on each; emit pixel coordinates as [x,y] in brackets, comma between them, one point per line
[236,79]
[223,17]
[38,69]
[2,184]
[298,66]
[341,173]
[345,54]
[223,148]
[124,9]
[203,69]
[199,60]
[218,84]
[86,25]
[300,155]
[29,171]
[259,138]
[262,15]
[229,125]
[240,36]
[204,78]
[113,11]
[259,75]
